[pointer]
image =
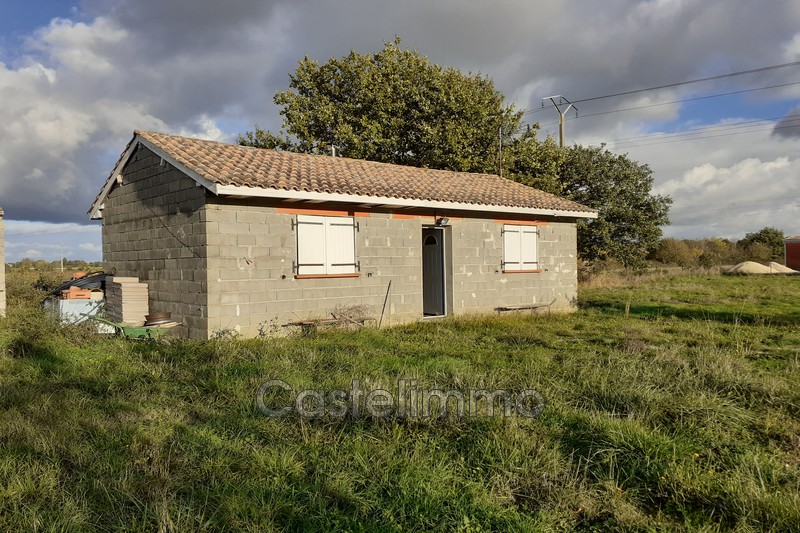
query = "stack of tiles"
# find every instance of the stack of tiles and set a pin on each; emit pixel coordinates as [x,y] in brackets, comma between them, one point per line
[126,300]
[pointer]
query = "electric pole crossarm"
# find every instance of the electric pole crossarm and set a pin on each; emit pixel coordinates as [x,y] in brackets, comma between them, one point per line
[566,105]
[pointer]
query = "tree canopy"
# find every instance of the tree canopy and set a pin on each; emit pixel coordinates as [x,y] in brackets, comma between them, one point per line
[629,223]
[768,239]
[395,106]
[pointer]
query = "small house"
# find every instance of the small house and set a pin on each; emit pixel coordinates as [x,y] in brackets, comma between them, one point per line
[234,238]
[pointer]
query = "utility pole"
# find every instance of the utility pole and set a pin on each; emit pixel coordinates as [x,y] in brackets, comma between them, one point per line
[62,255]
[561,113]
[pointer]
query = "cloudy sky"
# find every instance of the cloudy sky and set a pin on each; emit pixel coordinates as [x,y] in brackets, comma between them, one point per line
[77,78]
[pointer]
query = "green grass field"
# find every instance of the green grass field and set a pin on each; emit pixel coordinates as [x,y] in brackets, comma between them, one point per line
[681,413]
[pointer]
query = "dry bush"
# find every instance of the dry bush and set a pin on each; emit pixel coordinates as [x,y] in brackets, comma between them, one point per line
[353,313]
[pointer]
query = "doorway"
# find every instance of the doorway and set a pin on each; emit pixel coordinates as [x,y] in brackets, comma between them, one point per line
[434,296]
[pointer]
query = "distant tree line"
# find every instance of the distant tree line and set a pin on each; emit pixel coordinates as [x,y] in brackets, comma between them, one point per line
[761,246]
[70,265]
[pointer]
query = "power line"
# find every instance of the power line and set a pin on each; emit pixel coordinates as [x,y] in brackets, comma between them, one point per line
[30,233]
[701,132]
[40,232]
[687,82]
[704,137]
[686,100]
[732,125]
[706,132]
[743,205]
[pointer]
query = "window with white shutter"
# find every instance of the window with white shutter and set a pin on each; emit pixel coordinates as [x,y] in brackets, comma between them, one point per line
[520,248]
[325,245]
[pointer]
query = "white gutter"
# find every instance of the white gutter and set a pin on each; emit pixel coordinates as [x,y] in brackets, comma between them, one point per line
[236,190]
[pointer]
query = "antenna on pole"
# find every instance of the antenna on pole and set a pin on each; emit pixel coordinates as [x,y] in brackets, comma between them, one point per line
[501,150]
[561,113]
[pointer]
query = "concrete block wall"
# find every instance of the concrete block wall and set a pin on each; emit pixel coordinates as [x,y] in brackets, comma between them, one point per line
[252,284]
[154,229]
[253,289]
[479,283]
[2,267]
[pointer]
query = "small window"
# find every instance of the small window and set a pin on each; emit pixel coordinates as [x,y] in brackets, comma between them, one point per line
[325,245]
[520,247]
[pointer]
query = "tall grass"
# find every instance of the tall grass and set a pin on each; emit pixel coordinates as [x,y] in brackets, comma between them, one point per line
[681,414]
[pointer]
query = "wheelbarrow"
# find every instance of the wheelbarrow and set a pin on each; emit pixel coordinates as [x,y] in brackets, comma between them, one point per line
[137,332]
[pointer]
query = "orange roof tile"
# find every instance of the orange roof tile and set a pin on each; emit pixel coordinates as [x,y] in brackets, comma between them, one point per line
[257,168]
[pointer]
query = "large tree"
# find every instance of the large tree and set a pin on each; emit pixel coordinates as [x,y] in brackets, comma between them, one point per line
[395,106]
[628,226]
[630,217]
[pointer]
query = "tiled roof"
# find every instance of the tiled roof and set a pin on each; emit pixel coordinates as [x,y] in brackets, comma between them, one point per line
[258,168]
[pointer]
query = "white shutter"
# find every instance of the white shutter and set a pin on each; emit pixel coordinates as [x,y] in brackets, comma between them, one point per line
[511,250]
[528,242]
[310,245]
[340,250]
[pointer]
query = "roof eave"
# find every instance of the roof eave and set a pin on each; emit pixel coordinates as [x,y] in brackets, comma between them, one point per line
[282,194]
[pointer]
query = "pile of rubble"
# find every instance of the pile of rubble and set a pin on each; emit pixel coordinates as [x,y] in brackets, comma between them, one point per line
[751,267]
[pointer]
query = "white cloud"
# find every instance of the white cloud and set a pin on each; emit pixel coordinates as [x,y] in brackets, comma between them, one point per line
[205,128]
[735,200]
[80,47]
[73,99]
[791,51]
[43,240]
[90,247]
[73,96]
[32,254]
[15,228]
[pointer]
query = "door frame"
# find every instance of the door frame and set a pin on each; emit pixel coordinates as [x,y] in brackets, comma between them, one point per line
[443,247]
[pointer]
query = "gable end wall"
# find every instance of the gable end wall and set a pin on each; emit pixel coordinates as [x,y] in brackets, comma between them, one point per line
[154,229]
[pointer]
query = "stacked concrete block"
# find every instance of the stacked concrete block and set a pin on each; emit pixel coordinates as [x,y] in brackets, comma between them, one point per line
[126,300]
[2,268]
